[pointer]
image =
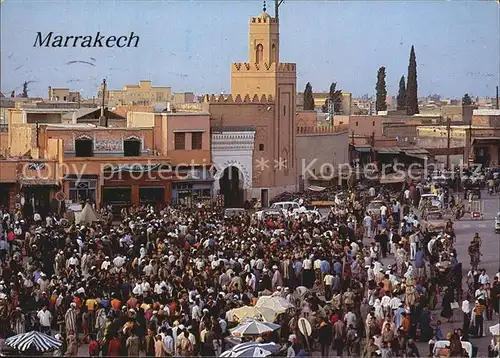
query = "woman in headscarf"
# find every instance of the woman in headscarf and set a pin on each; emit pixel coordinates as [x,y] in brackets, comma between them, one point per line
[379,312]
[409,273]
[100,322]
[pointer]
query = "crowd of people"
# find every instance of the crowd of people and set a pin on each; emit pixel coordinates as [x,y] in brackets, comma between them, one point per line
[161,282]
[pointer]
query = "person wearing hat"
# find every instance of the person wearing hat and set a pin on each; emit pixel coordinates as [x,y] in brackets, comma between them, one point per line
[292,345]
[18,321]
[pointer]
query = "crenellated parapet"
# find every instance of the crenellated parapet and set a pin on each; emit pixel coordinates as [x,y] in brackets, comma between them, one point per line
[263,67]
[263,19]
[238,98]
[315,130]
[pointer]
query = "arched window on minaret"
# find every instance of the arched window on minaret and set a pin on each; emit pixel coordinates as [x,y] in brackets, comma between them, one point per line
[259,53]
[273,53]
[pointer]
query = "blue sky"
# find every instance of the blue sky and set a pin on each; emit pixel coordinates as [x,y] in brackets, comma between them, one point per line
[189,45]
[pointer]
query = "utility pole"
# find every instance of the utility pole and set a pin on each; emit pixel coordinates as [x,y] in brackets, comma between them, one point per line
[352,149]
[469,159]
[103,120]
[37,135]
[498,104]
[448,129]
[373,147]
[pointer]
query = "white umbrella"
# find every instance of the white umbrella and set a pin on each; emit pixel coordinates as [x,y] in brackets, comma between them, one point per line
[302,290]
[241,313]
[495,330]
[251,349]
[252,327]
[38,341]
[276,303]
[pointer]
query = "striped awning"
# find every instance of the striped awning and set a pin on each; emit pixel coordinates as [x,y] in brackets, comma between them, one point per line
[38,341]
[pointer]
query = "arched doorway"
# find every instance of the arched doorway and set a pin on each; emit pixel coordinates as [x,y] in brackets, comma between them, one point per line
[231,187]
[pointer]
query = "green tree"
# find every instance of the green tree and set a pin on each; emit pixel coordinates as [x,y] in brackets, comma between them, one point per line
[25,90]
[381,100]
[308,98]
[466,100]
[335,96]
[402,94]
[412,86]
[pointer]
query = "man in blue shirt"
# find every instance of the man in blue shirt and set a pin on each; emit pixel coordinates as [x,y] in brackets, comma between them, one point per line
[337,267]
[324,266]
[420,263]
[439,332]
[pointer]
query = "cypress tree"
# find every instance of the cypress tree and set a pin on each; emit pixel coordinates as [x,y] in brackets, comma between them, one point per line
[335,96]
[308,98]
[412,86]
[25,90]
[402,94]
[381,100]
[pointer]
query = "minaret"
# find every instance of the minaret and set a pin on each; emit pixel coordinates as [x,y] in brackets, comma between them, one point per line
[263,72]
[264,39]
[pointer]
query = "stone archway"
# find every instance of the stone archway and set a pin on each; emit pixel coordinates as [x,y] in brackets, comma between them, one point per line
[231,185]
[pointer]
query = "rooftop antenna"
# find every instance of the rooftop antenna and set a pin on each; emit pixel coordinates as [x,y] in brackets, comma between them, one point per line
[277,4]
[103,120]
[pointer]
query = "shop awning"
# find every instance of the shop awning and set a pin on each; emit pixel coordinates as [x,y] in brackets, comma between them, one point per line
[394,150]
[78,176]
[418,153]
[38,182]
[363,149]
[7,181]
[134,168]
[418,156]
[486,140]
[316,188]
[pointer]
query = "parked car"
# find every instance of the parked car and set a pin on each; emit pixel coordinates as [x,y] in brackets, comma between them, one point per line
[374,207]
[434,222]
[431,201]
[234,212]
[282,206]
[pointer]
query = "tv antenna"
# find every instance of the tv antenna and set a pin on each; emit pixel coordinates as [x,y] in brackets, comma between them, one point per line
[277,4]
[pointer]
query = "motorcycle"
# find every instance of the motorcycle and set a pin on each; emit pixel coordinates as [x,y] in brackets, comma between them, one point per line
[458,213]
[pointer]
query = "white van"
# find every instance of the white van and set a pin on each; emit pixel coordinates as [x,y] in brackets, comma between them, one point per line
[283,206]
